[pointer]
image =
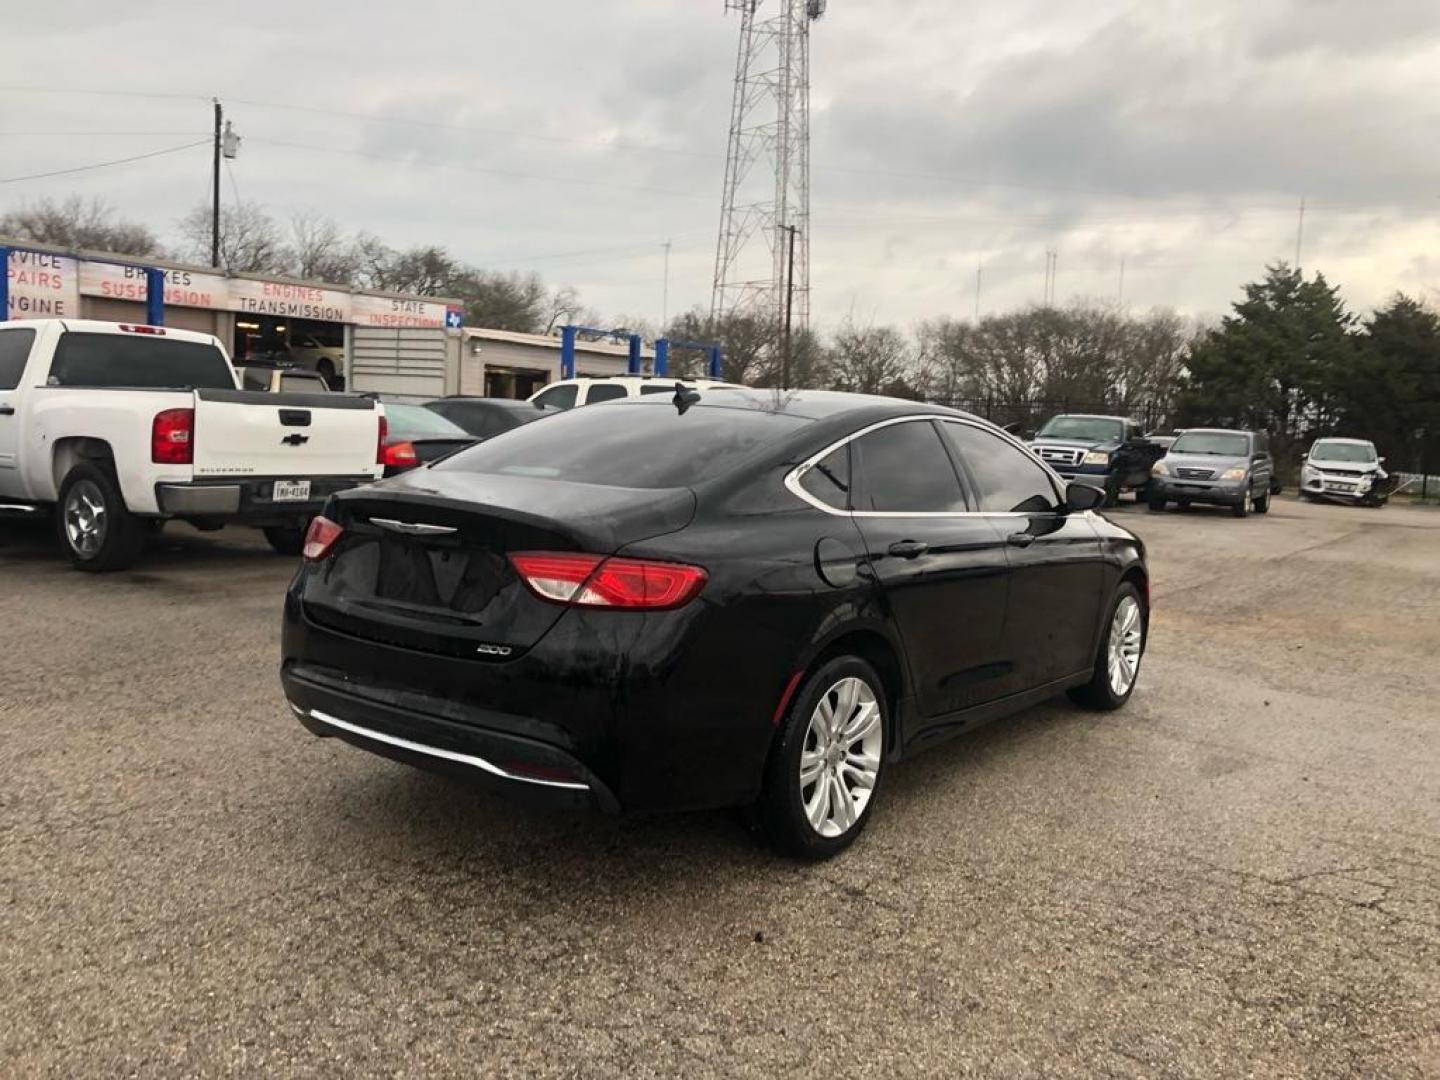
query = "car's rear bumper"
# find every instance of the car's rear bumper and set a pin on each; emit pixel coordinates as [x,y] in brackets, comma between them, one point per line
[636,708]
[249,500]
[528,768]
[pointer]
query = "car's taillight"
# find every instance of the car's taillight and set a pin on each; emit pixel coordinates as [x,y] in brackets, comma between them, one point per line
[320,538]
[399,455]
[172,437]
[595,581]
[380,445]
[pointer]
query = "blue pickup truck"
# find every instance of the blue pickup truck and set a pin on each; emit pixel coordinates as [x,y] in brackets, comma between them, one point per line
[1110,452]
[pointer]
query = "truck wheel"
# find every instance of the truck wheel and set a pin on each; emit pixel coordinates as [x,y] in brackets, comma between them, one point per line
[96,529]
[1112,493]
[1262,504]
[285,539]
[1157,503]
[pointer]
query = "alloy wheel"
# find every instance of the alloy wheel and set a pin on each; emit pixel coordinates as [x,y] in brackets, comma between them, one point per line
[840,760]
[1126,635]
[85,518]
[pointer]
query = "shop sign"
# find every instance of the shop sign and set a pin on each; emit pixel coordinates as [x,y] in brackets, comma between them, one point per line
[42,286]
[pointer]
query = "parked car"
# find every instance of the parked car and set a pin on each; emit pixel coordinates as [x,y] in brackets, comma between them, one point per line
[1164,439]
[1345,470]
[1216,466]
[120,425]
[308,351]
[487,417]
[725,598]
[415,436]
[280,380]
[572,393]
[1109,452]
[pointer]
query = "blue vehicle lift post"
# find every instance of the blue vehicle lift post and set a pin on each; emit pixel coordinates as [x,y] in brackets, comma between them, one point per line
[570,337]
[4,283]
[154,296]
[662,355]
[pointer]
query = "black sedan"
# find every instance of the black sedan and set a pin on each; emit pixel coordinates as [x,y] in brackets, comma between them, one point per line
[755,598]
[487,417]
[413,436]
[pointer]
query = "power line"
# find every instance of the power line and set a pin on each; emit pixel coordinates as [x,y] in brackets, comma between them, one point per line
[104,164]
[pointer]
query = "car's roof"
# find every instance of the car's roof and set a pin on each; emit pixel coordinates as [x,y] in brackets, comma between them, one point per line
[1092,416]
[1215,431]
[1347,442]
[806,404]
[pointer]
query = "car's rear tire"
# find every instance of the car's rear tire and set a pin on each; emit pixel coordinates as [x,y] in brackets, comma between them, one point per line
[828,761]
[285,539]
[95,527]
[1122,647]
[1156,504]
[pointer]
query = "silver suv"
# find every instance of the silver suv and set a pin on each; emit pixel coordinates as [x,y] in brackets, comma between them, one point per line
[1216,466]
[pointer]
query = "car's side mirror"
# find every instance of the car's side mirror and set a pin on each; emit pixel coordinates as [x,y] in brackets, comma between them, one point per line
[1381,460]
[1304,457]
[1079,497]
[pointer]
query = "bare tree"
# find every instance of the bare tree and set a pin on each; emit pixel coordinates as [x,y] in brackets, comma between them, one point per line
[321,250]
[250,241]
[80,224]
[871,360]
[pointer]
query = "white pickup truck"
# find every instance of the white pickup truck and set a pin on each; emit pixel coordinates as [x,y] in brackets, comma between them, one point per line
[121,427]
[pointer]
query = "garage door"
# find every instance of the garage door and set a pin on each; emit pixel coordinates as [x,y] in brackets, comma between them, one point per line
[410,363]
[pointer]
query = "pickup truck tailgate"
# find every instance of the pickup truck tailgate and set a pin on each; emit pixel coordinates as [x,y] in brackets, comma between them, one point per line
[254,433]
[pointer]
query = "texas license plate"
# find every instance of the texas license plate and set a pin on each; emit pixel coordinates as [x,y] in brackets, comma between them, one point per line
[291,491]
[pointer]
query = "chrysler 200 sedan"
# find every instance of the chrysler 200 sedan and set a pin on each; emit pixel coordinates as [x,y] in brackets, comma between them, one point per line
[725,598]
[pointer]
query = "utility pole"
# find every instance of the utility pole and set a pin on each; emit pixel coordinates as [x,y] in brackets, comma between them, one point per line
[1300,234]
[215,190]
[1120,295]
[789,311]
[665,300]
[979,276]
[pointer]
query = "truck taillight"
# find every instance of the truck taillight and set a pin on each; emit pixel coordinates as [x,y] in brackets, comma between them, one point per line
[172,437]
[158,331]
[380,446]
[595,581]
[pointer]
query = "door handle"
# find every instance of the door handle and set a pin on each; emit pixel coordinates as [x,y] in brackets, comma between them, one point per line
[1020,539]
[7,410]
[908,549]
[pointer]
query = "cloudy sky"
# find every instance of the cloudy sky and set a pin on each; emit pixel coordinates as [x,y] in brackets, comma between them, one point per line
[575,137]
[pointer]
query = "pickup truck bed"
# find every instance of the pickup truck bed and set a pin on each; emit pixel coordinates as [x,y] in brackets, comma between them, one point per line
[113,424]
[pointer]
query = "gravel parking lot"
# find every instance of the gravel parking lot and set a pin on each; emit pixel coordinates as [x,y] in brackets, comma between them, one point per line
[1239,874]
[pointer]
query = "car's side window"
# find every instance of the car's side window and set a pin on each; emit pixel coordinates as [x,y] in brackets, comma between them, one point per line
[14,351]
[903,468]
[828,480]
[604,392]
[1007,480]
[652,389]
[559,397]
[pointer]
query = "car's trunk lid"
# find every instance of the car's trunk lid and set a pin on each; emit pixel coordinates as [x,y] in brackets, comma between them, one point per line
[424,559]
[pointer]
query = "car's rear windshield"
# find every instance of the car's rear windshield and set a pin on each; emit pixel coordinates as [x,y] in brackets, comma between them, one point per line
[146,362]
[634,446]
[418,422]
[1091,428]
[1352,452]
[1227,444]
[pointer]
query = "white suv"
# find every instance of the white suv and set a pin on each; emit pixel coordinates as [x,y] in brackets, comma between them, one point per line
[572,393]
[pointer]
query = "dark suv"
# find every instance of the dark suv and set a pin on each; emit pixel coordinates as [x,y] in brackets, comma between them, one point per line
[1108,452]
[1212,465]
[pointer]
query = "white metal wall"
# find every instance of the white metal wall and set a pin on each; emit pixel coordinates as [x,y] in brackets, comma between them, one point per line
[406,363]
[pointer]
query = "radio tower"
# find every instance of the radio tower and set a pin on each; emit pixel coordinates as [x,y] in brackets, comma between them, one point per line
[767,169]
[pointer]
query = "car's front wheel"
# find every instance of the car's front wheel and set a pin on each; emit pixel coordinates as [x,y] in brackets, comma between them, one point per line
[1117,665]
[826,767]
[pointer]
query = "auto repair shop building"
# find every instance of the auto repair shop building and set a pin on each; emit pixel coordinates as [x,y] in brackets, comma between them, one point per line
[392,343]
